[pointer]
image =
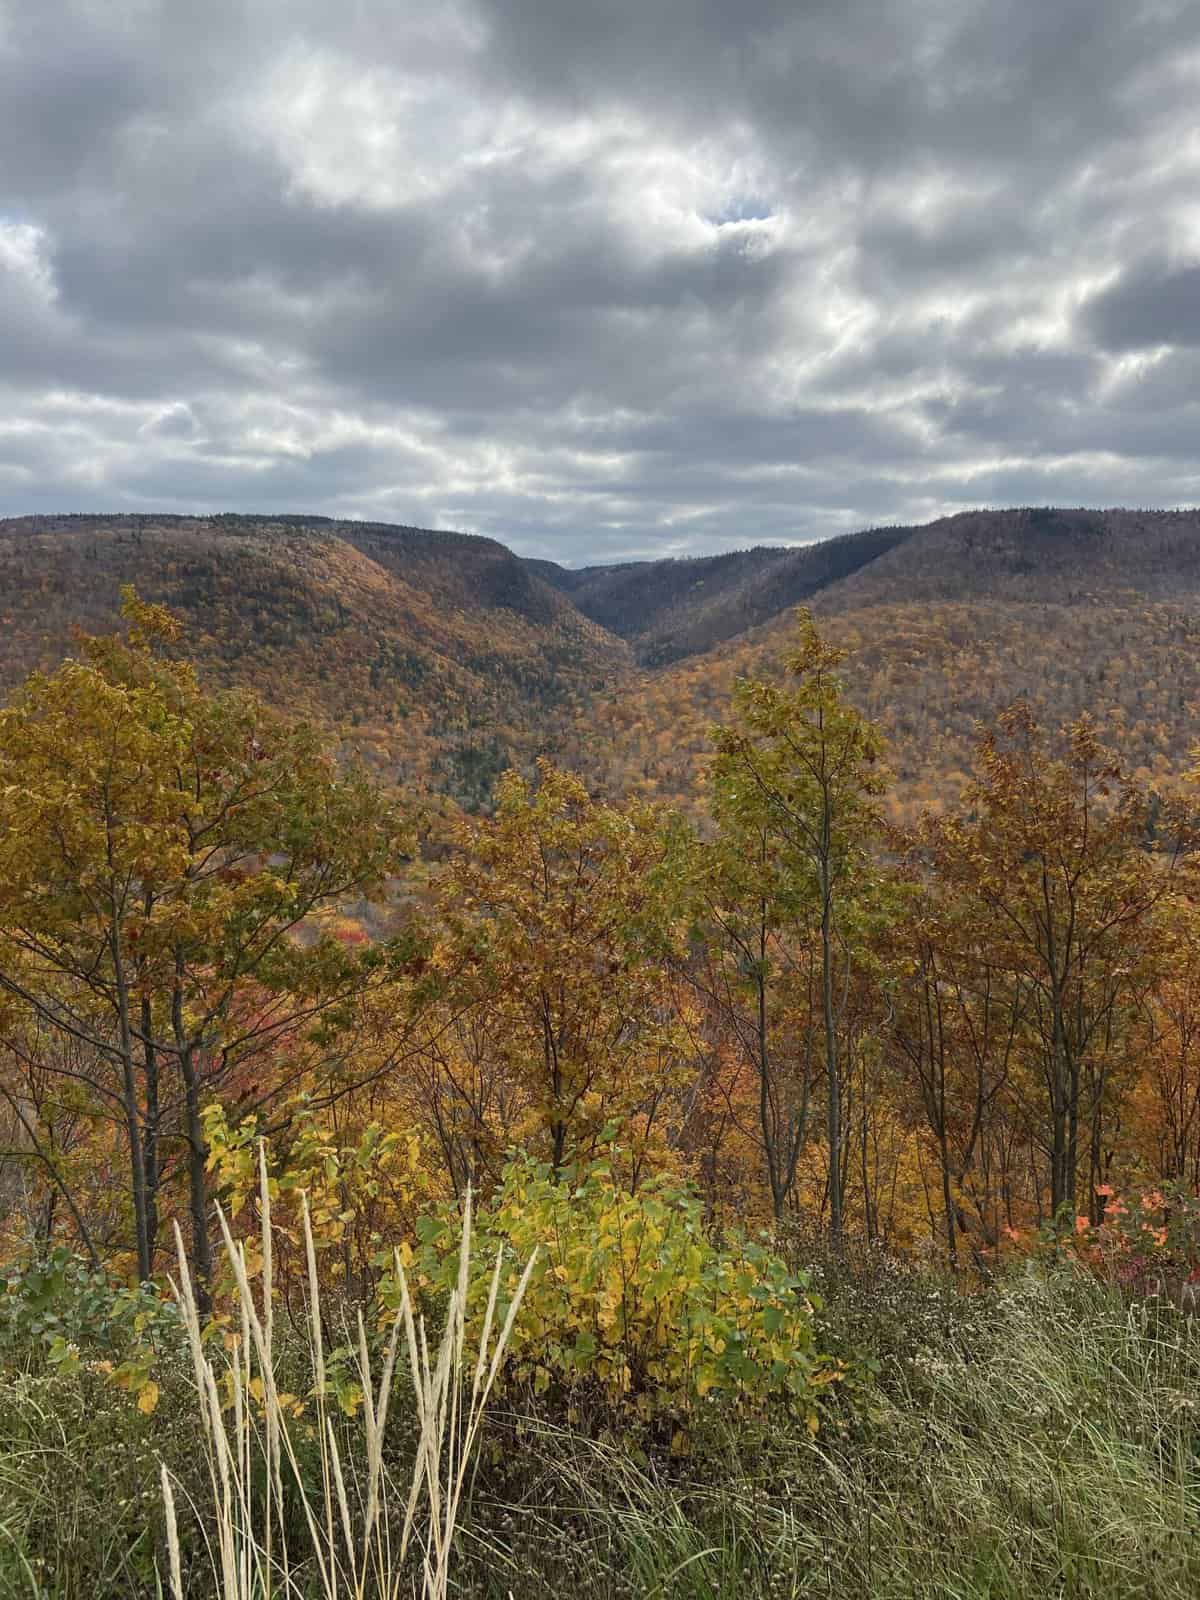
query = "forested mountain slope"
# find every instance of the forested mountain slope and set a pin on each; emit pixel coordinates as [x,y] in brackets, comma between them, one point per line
[1045,554]
[676,608]
[1075,610]
[439,656]
[444,657]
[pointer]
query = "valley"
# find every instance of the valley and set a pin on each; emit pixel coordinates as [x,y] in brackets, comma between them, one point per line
[443,658]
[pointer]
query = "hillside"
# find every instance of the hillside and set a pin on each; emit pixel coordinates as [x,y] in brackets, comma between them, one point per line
[1078,611]
[438,656]
[443,657]
[1070,557]
[671,609]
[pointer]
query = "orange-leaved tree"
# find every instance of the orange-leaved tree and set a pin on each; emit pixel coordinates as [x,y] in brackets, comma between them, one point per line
[1062,860]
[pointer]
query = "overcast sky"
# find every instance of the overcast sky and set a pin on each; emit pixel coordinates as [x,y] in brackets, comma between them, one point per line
[599,277]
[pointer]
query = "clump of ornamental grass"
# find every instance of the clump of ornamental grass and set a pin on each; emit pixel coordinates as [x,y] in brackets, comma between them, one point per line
[257,1440]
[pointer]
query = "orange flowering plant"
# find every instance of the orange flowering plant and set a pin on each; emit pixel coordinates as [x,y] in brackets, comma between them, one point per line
[1147,1242]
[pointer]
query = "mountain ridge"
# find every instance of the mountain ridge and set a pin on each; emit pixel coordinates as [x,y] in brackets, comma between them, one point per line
[443,657]
[683,606]
[437,656]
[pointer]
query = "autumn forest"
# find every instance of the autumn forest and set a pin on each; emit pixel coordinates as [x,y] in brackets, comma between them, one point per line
[748,1010]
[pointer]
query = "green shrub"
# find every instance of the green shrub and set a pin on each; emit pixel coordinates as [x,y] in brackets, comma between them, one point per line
[55,1308]
[631,1298]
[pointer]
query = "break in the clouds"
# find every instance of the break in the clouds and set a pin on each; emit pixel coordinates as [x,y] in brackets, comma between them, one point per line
[599,277]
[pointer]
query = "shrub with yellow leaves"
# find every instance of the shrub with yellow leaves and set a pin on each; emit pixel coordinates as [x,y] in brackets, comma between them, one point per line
[631,1301]
[364,1184]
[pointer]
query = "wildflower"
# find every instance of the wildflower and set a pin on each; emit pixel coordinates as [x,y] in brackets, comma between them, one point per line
[1104,1190]
[1081,1224]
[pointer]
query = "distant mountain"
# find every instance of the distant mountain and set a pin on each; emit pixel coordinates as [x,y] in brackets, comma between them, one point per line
[1095,611]
[439,655]
[676,608]
[443,657]
[1040,554]
[671,609]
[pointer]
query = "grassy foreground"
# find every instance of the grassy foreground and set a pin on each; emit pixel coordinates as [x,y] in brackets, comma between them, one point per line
[1040,1438]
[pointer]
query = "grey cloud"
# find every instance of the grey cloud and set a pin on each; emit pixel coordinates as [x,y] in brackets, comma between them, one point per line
[867,84]
[1152,303]
[178,421]
[597,279]
[900,255]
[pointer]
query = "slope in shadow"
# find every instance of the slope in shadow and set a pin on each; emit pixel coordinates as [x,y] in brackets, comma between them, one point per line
[671,609]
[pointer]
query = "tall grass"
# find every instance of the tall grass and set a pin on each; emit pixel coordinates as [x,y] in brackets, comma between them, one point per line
[353,1543]
[1052,1452]
[1039,1439]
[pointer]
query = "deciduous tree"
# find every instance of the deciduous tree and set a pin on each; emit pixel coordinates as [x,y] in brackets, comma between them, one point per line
[799,763]
[162,852]
[558,932]
[1056,850]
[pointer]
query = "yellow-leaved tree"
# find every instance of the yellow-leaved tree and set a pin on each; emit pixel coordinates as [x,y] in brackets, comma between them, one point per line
[557,936]
[162,853]
[796,786]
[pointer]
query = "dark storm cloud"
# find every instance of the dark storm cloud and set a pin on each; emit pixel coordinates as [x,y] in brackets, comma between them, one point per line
[598,279]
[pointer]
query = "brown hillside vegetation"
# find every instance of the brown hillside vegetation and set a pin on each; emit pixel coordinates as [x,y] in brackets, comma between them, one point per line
[928,675]
[443,658]
[1070,557]
[438,656]
[1076,611]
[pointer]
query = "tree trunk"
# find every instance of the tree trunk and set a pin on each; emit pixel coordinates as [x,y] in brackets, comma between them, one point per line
[201,1251]
[150,1128]
[197,1147]
[129,1105]
[767,1121]
[834,1104]
[947,1195]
